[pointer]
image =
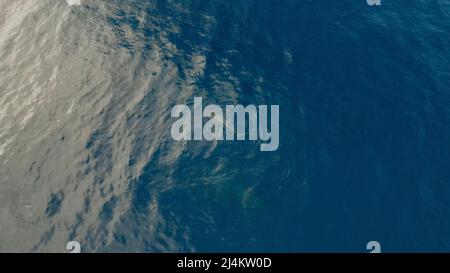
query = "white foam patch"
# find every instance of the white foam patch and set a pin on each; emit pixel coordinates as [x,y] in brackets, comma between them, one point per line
[5,145]
[2,148]
[74,2]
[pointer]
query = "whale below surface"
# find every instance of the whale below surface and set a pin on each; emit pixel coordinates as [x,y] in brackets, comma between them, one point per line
[87,156]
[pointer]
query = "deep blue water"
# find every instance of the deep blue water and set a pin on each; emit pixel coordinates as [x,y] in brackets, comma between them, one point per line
[364,96]
[365,128]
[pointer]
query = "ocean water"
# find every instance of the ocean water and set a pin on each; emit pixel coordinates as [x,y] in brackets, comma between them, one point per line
[85,147]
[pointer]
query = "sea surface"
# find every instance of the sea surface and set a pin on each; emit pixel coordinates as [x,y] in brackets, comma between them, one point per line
[86,153]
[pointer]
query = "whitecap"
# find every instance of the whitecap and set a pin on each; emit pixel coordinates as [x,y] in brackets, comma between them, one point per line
[74,2]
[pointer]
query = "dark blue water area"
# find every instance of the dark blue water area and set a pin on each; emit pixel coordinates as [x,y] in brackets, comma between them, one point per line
[365,128]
